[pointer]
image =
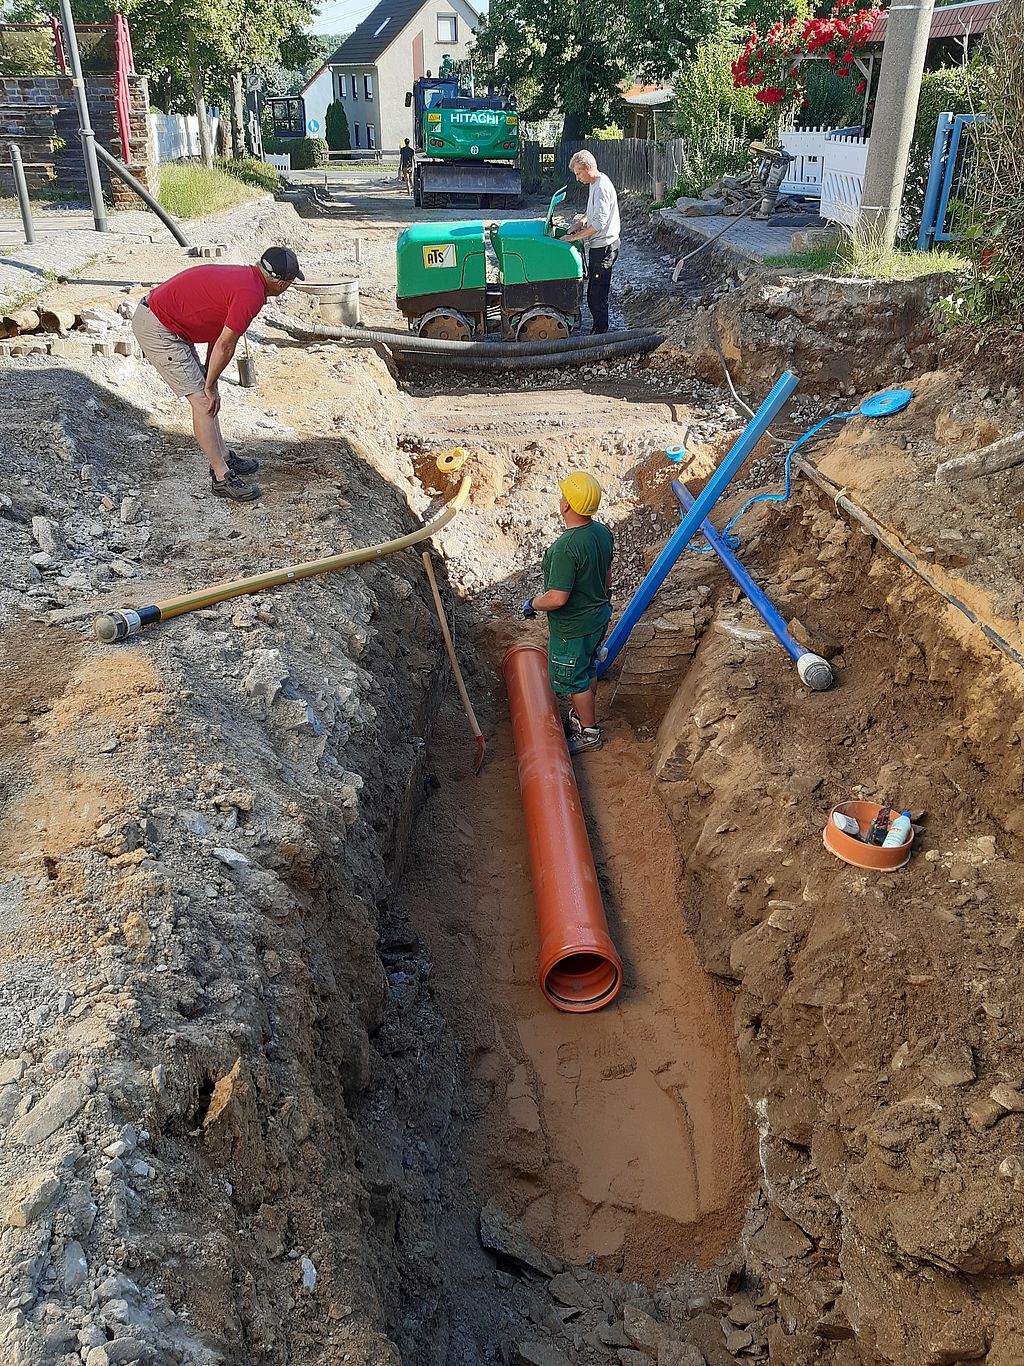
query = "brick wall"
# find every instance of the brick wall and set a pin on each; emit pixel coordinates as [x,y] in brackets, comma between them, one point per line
[40,115]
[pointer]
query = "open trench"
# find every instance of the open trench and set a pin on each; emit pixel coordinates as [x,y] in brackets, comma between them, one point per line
[778,1144]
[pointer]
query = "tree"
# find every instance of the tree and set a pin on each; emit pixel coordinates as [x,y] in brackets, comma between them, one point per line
[574,56]
[338,136]
[300,59]
[211,44]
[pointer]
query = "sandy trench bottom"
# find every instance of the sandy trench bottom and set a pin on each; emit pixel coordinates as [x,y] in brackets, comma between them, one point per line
[619,1138]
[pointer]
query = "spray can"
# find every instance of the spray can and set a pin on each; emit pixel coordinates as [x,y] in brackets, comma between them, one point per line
[879,826]
[898,832]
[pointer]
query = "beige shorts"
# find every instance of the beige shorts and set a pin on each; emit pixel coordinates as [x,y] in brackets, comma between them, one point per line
[176,360]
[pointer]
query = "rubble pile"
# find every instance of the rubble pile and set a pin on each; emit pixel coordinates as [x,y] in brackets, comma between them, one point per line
[732,196]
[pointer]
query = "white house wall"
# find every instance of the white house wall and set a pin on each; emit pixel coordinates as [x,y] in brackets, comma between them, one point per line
[317,96]
[393,74]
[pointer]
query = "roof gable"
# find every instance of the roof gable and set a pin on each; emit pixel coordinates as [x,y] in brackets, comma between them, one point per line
[379,30]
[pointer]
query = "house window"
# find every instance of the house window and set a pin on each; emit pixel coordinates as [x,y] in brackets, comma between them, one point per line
[368,86]
[447,28]
[355,86]
[355,135]
[289,117]
[371,135]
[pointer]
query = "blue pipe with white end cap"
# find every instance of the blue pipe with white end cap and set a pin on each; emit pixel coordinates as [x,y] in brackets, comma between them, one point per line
[815,671]
[704,502]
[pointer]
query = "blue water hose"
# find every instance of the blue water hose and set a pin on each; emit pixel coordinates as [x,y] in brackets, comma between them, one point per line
[815,671]
[704,502]
[878,405]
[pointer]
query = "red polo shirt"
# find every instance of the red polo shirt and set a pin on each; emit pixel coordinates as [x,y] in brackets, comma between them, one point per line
[199,303]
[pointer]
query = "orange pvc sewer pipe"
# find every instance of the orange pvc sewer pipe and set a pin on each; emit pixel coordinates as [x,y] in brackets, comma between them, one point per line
[580,969]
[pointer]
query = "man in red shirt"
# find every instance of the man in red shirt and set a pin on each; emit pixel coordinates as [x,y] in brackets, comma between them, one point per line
[214,305]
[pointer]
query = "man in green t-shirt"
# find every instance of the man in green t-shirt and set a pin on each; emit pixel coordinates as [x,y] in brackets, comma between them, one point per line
[577,577]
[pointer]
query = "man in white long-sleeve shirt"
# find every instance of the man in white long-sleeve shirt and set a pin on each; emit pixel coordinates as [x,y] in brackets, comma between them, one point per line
[599,228]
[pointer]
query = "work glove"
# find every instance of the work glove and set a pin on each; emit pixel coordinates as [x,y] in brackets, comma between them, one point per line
[528,611]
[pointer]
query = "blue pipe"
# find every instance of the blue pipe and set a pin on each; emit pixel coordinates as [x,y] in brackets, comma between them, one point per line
[704,502]
[815,671]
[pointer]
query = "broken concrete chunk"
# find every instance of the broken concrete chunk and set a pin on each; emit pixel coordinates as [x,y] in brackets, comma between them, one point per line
[566,1289]
[1008,1097]
[538,1354]
[672,1353]
[501,1234]
[61,1103]
[76,1269]
[982,1113]
[29,1199]
[266,676]
[642,1329]
[11,1071]
[951,1063]
[44,533]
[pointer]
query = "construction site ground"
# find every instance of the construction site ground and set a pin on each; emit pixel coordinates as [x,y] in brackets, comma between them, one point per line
[277,1083]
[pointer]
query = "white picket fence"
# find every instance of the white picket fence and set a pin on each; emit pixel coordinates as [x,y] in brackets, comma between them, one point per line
[842,181]
[281,161]
[176,136]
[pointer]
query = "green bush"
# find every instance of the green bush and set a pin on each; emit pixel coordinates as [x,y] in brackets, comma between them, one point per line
[717,152]
[705,97]
[253,172]
[306,153]
[336,127]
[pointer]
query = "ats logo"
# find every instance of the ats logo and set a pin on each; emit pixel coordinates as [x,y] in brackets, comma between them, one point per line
[439,258]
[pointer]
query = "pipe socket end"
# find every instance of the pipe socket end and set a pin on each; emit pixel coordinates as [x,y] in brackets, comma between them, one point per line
[114,626]
[815,672]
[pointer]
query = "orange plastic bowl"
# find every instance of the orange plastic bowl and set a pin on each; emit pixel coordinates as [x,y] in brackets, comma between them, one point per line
[869,856]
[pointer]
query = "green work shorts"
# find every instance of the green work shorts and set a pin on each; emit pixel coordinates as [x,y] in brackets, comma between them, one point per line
[572,664]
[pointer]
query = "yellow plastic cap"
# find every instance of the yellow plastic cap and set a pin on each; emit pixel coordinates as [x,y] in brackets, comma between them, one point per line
[582,492]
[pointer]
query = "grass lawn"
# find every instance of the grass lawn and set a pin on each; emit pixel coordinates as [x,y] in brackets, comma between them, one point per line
[847,257]
[191,191]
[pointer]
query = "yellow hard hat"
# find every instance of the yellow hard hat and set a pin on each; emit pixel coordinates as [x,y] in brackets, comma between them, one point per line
[582,492]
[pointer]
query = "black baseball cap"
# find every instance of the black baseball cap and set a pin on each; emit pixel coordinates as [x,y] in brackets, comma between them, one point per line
[281,263]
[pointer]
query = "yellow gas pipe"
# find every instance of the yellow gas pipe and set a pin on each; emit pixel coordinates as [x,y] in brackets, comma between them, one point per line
[119,624]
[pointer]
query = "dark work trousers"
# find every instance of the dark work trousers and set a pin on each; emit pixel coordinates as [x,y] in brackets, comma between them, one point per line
[600,262]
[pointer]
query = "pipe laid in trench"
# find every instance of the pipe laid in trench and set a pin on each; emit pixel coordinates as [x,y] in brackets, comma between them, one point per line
[639,346]
[579,967]
[119,624]
[815,671]
[402,340]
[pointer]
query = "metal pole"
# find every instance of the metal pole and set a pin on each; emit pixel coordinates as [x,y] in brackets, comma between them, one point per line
[908,26]
[21,187]
[92,170]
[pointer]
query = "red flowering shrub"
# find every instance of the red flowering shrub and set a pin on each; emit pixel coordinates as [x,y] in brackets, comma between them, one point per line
[773,56]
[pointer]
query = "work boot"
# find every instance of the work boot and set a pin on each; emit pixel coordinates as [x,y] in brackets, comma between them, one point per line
[231,486]
[241,464]
[589,737]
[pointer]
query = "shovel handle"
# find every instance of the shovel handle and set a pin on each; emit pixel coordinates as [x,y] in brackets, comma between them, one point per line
[443,621]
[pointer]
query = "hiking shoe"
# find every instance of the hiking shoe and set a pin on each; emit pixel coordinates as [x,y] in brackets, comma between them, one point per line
[242,464]
[231,486]
[589,737]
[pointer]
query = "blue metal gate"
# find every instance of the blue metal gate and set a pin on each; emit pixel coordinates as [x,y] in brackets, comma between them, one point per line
[949,192]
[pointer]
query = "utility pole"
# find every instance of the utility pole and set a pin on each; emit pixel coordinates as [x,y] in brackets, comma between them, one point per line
[908,25]
[92,170]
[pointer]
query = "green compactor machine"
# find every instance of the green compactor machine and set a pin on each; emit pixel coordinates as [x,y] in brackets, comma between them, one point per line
[460,281]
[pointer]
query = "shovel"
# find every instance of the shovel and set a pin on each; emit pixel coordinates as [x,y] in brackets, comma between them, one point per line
[459,683]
